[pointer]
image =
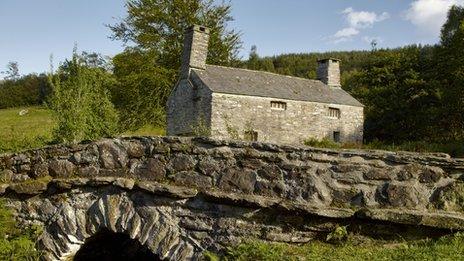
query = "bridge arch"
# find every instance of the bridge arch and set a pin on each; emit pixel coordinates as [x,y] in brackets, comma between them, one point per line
[124,215]
[107,245]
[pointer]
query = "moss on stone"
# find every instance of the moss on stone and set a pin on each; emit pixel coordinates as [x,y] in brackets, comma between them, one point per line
[31,187]
[451,197]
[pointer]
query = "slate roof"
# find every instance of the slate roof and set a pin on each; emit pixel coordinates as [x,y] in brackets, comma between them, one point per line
[264,84]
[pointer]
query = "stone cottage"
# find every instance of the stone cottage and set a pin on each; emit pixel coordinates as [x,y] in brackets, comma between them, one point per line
[236,103]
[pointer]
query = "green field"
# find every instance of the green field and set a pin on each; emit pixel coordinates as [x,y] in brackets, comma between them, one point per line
[34,129]
[445,248]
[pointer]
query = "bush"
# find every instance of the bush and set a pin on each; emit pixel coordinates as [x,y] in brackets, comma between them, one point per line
[81,102]
[324,143]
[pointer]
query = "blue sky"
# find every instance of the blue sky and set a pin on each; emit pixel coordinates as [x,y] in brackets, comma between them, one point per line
[33,30]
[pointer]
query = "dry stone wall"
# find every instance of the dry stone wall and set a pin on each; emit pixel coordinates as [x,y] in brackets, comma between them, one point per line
[181,196]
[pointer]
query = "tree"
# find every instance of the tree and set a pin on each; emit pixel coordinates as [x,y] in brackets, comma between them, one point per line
[81,102]
[253,59]
[142,89]
[147,71]
[12,71]
[398,101]
[449,73]
[27,90]
[159,26]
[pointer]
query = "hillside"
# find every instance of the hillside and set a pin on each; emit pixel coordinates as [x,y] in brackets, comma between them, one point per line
[305,64]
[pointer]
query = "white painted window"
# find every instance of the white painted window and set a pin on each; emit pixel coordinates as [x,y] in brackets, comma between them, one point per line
[334,113]
[278,105]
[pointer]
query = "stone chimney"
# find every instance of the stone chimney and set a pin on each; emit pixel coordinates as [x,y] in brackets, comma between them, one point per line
[195,50]
[328,72]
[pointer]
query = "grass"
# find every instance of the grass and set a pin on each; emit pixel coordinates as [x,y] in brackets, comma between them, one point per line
[34,129]
[31,130]
[455,149]
[445,248]
[146,131]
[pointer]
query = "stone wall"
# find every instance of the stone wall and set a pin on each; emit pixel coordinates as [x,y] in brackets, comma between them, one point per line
[195,50]
[328,71]
[188,109]
[298,122]
[181,196]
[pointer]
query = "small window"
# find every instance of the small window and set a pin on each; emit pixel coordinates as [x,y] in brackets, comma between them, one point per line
[334,113]
[251,135]
[336,136]
[278,105]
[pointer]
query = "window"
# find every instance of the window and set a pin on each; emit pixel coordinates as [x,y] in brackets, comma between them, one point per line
[334,113]
[336,136]
[278,105]
[251,135]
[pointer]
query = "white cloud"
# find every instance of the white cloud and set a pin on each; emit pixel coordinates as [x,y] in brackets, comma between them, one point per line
[430,15]
[344,34]
[363,19]
[357,21]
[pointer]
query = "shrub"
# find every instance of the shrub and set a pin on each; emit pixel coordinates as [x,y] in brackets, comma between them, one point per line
[324,143]
[81,102]
[337,235]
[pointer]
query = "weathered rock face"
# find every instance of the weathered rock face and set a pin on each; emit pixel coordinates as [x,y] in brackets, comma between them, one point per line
[181,196]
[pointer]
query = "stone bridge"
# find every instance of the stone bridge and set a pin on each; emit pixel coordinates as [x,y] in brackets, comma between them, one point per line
[177,197]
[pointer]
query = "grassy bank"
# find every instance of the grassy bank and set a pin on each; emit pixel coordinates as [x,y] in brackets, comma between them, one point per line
[31,127]
[455,149]
[446,248]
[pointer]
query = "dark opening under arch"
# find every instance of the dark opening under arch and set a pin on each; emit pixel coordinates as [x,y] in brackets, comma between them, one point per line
[107,245]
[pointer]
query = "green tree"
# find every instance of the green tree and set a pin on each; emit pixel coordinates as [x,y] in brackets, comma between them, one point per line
[26,90]
[253,59]
[159,26]
[12,71]
[398,101]
[147,71]
[142,90]
[254,62]
[81,102]
[449,74]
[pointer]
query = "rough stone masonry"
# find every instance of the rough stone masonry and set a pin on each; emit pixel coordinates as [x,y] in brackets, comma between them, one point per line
[182,196]
[233,103]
